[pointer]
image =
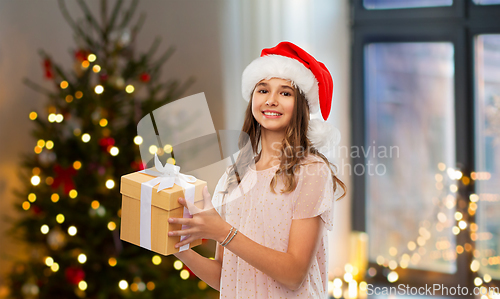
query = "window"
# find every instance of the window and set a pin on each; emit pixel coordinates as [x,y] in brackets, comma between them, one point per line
[426,111]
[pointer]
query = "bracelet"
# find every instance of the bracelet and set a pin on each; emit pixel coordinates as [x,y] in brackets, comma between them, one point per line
[230,231]
[235,232]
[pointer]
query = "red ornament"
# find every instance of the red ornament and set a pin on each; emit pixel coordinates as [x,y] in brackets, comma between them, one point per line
[103,77]
[81,55]
[138,165]
[64,176]
[47,66]
[145,77]
[37,210]
[74,275]
[106,143]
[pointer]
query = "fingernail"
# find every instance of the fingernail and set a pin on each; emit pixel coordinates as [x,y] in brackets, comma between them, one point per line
[176,246]
[170,220]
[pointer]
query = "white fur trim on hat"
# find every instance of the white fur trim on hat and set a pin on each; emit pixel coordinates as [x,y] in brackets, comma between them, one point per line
[277,66]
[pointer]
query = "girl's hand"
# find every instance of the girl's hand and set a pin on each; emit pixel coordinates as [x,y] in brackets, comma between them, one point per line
[206,223]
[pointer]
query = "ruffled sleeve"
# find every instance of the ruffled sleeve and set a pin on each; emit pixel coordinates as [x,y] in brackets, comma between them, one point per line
[217,197]
[313,195]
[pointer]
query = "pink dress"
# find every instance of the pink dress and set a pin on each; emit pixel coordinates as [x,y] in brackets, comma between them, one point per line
[266,218]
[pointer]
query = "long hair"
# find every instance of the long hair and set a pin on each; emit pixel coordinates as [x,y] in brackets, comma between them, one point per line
[294,148]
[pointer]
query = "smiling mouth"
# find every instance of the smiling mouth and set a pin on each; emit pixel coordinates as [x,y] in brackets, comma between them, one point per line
[271,113]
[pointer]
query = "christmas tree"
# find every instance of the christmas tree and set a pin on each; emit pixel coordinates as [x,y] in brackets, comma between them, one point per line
[70,203]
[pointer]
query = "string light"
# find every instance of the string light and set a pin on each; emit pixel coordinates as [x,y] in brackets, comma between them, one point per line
[77,165]
[40,143]
[168,148]
[184,274]
[82,285]
[59,118]
[32,197]
[202,285]
[26,205]
[44,229]
[95,204]
[60,218]
[49,180]
[82,258]
[73,193]
[69,98]
[156,260]
[49,144]
[54,267]
[138,140]
[54,197]
[110,184]
[38,149]
[474,266]
[35,180]
[86,137]
[171,161]
[99,89]
[153,149]
[129,89]
[103,122]
[111,226]
[85,64]
[150,285]
[123,284]
[178,265]
[78,94]
[114,151]
[52,117]
[112,261]
[49,261]
[33,115]
[72,230]
[96,68]
[91,57]
[64,84]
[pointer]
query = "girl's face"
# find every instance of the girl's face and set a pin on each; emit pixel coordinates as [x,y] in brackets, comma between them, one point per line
[270,97]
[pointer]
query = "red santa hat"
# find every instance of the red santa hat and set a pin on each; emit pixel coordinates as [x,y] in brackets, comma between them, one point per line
[290,62]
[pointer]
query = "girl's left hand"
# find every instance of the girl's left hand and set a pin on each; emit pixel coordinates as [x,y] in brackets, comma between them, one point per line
[205,224]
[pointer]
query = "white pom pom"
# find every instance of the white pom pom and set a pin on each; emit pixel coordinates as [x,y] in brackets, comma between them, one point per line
[323,135]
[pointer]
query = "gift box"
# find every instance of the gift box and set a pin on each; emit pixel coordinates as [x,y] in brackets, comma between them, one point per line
[137,207]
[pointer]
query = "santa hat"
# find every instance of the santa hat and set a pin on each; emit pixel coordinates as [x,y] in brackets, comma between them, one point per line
[288,61]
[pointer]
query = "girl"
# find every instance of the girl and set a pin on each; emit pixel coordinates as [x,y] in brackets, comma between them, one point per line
[272,241]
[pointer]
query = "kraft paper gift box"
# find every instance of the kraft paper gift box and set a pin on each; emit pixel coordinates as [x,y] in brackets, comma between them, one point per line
[164,204]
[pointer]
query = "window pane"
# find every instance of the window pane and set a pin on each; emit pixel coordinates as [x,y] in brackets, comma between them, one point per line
[486,2]
[487,149]
[410,154]
[389,4]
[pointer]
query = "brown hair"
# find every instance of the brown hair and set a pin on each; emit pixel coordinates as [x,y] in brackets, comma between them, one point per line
[294,141]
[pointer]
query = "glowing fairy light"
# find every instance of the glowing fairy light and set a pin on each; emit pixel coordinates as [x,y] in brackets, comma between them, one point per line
[86,137]
[138,140]
[156,260]
[44,229]
[99,89]
[112,261]
[123,284]
[184,274]
[49,261]
[129,89]
[64,84]
[82,258]
[111,226]
[110,184]
[114,151]
[73,193]
[82,285]
[72,230]
[153,149]
[60,218]
[33,115]
[91,57]
[178,265]
[49,144]
[96,68]
[35,180]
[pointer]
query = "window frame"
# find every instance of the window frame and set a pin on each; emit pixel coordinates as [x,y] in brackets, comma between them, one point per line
[458,24]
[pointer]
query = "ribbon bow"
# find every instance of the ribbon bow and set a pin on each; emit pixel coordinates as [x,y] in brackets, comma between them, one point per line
[168,175]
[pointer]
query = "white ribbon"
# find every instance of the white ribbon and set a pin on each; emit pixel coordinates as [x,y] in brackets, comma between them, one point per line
[166,175]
